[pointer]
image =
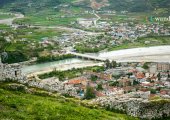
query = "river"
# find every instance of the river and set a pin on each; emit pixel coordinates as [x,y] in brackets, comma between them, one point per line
[59,65]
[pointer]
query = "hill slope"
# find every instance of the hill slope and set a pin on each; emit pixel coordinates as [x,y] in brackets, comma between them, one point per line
[18,105]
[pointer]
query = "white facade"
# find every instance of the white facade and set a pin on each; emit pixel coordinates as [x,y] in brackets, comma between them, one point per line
[86,22]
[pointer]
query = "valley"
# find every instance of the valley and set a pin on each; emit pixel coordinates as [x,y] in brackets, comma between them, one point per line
[85,59]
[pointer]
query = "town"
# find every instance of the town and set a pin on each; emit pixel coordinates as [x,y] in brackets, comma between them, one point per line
[116,60]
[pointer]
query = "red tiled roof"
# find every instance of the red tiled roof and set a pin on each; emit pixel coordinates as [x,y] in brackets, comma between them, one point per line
[99,94]
[140,75]
[77,80]
[132,70]
[74,82]
[127,88]
[164,92]
[144,89]
[147,84]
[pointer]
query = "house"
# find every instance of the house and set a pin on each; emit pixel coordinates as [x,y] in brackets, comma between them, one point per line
[164,92]
[147,84]
[86,22]
[99,94]
[79,83]
[163,66]
[152,77]
[167,84]
[140,77]
[125,82]
[129,89]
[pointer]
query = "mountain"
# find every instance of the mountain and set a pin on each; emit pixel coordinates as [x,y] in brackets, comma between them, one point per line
[129,5]
[118,5]
[25,6]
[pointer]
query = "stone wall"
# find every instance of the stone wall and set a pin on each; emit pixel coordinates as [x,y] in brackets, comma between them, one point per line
[10,71]
[137,107]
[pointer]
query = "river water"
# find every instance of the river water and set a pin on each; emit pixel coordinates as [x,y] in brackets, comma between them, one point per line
[146,54]
[51,65]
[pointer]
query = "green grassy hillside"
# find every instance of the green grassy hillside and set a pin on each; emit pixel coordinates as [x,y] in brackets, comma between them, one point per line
[23,106]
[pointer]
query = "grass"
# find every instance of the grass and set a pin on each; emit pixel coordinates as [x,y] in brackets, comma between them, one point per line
[5,16]
[31,35]
[38,34]
[45,22]
[4,27]
[154,41]
[21,106]
[50,17]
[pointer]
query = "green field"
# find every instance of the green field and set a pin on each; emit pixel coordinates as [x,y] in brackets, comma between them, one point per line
[4,27]
[5,16]
[154,41]
[51,17]
[23,106]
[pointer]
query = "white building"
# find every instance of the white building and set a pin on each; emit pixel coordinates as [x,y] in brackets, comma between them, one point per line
[153,68]
[86,22]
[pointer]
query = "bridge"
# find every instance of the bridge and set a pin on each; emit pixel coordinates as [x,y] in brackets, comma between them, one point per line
[89,57]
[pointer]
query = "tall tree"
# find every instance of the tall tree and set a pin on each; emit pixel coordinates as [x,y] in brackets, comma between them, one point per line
[90,93]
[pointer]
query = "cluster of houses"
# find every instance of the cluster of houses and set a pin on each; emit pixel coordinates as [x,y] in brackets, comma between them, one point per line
[119,33]
[133,31]
[130,80]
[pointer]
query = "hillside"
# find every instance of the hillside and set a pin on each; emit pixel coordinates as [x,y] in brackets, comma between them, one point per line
[23,106]
[118,5]
[128,5]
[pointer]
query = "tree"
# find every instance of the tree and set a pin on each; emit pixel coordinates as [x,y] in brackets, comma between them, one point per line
[90,93]
[145,66]
[159,76]
[107,62]
[99,87]
[153,91]
[114,64]
[115,83]
[93,78]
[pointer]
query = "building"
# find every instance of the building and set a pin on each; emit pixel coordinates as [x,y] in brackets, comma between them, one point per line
[125,82]
[163,66]
[153,68]
[86,22]
[10,71]
[140,77]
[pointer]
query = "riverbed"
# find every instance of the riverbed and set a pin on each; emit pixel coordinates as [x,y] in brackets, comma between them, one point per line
[144,54]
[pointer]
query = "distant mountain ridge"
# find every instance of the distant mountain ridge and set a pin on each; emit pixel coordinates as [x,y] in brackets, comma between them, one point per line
[118,5]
